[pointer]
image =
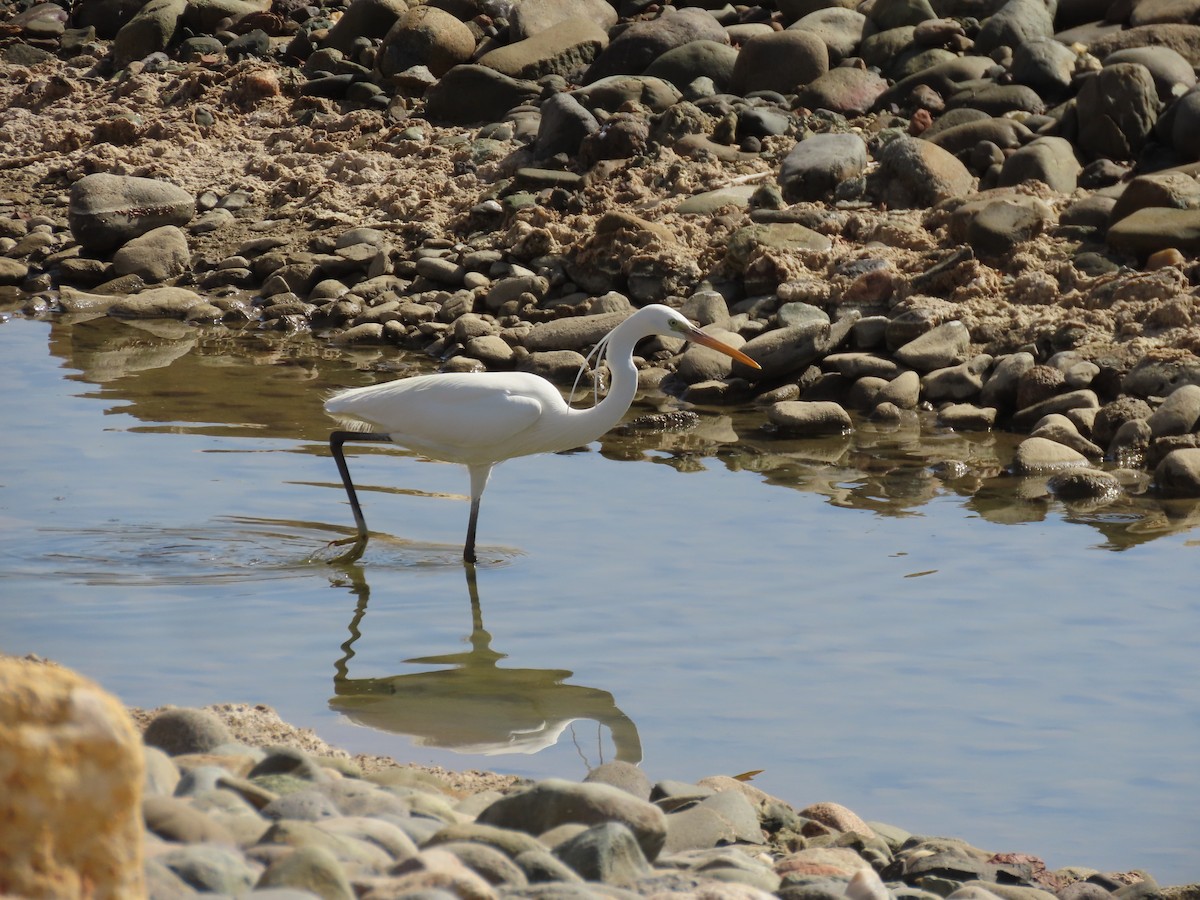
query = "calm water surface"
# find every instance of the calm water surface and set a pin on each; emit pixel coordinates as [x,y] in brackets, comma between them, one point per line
[936,646]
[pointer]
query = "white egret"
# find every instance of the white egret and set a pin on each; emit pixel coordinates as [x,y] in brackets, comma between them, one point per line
[481,419]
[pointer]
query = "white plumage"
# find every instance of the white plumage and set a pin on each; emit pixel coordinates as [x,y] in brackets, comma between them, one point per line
[481,419]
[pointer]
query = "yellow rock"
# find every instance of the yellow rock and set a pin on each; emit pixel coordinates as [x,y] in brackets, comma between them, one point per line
[70,787]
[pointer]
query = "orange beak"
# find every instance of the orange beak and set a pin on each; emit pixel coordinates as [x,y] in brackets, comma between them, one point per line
[699,337]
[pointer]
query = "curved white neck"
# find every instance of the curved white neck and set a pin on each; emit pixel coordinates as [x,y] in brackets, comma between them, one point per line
[623,382]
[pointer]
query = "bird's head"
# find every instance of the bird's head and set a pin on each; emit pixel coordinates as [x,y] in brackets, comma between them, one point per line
[674,324]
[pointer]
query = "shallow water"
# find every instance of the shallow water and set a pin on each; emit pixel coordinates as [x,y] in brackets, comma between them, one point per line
[938,646]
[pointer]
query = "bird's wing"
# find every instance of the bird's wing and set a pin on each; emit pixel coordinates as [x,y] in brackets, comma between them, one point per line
[450,416]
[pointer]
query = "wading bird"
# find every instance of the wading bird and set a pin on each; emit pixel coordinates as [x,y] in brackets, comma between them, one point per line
[481,419]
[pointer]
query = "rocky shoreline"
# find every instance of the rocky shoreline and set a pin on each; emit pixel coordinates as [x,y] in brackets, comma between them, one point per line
[239,799]
[988,210]
[981,210]
[231,801]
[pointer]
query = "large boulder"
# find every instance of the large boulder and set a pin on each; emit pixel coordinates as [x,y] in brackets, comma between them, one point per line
[781,61]
[425,36]
[913,174]
[818,164]
[469,94]
[1117,108]
[105,211]
[71,766]
[632,51]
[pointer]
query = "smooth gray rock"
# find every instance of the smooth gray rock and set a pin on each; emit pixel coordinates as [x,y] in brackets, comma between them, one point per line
[994,228]
[1037,455]
[959,137]
[702,58]
[562,49]
[158,255]
[809,417]
[814,168]
[839,27]
[620,774]
[1172,73]
[904,391]
[371,19]
[288,761]
[306,806]
[1050,160]
[609,853]
[635,48]
[783,351]
[943,346]
[541,866]
[572,332]
[998,99]
[614,92]
[856,364]
[12,271]
[896,13]
[529,17]
[1116,413]
[556,802]
[1044,64]
[313,869]
[1015,23]
[494,866]
[1000,388]
[1178,475]
[1178,414]
[961,382]
[846,89]
[162,776]
[1156,228]
[786,236]
[1184,119]
[468,94]
[425,36]
[1084,485]
[509,841]
[697,828]
[1131,440]
[559,366]
[944,77]
[1061,403]
[780,61]
[163,884]
[967,417]
[1168,190]
[151,30]
[914,174]
[564,124]
[177,821]
[178,731]
[210,868]
[1116,110]
[106,211]
[1057,427]
[374,830]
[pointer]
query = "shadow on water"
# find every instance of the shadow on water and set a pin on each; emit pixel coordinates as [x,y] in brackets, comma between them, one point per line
[470,703]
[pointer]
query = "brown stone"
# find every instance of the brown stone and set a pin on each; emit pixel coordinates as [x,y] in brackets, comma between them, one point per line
[71,766]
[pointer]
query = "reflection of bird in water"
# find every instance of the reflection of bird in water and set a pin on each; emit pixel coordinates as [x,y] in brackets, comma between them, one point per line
[482,419]
[471,704]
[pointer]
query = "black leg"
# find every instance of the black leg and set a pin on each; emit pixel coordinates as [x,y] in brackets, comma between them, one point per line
[336,439]
[469,547]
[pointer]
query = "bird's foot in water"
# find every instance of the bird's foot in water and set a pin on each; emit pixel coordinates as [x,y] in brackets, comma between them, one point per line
[358,545]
